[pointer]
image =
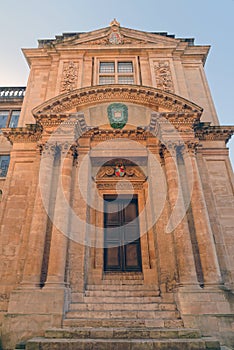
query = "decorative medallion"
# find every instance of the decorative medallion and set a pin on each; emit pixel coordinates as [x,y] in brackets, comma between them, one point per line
[115,38]
[119,170]
[117,115]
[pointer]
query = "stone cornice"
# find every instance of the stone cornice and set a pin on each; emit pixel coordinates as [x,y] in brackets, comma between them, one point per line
[181,121]
[109,134]
[141,95]
[207,132]
[30,133]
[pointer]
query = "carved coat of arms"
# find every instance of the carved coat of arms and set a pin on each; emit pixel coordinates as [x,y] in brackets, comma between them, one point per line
[117,115]
[119,170]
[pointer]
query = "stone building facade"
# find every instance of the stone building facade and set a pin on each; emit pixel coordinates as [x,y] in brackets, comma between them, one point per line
[116,197]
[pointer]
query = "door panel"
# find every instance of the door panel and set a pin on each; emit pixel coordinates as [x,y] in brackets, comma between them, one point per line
[131,256]
[122,242]
[113,258]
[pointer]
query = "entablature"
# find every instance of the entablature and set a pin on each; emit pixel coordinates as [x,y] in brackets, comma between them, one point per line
[207,132]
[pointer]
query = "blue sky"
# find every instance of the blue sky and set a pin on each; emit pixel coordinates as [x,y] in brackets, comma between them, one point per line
[210,22]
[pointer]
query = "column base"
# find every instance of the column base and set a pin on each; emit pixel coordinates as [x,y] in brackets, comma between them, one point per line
[56,285]
[33,310]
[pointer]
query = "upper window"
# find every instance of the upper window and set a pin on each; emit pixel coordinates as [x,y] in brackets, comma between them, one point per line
[4,164]
[116,72]
[107,67]
[9,118]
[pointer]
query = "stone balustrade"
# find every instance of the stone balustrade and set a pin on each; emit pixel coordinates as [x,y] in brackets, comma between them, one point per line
[12,92]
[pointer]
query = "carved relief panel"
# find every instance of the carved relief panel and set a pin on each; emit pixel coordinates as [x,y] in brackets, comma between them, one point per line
[163,76]
[69,76]
[122,172]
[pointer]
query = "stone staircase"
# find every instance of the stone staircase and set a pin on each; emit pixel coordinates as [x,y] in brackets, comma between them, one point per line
[122,314]
[122,305]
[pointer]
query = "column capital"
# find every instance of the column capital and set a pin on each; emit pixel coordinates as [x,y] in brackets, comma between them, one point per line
[47,150]
[169,149]
[50,149]
[190,147]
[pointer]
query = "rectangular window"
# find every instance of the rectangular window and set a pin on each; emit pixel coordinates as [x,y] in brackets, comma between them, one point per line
[125,80]
[3,118]
[125,67]
[116,72]
[14,119]
[107,67]
[106,80]
[9,118]
[4,164]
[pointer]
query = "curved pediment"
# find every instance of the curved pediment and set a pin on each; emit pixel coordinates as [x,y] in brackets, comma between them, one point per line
[140,95]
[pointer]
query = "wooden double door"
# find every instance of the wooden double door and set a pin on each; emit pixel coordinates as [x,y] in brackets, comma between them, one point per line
[122,250]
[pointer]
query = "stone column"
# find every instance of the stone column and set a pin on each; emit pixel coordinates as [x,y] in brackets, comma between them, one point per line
[204,236]
[33,264]
[60,230]
[164,243]
[178,221]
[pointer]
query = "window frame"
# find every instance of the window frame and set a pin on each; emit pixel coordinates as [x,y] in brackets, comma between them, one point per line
[4,155]
[116,74]
[10,114]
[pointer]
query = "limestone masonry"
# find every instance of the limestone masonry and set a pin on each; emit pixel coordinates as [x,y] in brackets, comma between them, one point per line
[116,189]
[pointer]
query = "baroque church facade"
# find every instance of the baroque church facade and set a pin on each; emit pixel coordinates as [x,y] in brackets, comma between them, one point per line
[116,198]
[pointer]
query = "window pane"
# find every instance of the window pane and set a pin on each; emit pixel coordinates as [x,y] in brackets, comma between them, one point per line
[4,164]
[125,67]
[3,118]
[106,80]
[14,119]
[125,80]
[107,67]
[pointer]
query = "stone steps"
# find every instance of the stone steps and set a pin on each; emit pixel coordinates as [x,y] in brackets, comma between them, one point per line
[118,299]
[121,293]
[111,281]
[120,322]
[123,314]
[122,287]
[121,344]
[122,306]
[126,276]
[123,333]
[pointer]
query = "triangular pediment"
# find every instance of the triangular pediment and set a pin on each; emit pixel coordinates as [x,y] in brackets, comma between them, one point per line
[113,35]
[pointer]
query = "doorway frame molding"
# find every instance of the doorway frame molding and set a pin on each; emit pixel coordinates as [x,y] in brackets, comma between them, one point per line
[137,185]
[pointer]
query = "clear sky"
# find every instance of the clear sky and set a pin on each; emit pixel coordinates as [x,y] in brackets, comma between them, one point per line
[23,22]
